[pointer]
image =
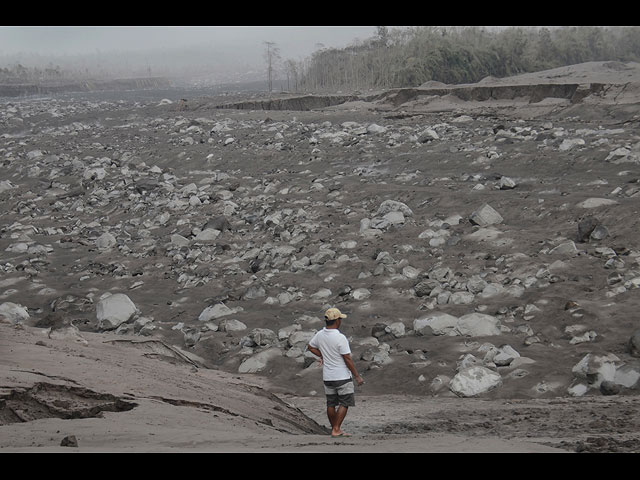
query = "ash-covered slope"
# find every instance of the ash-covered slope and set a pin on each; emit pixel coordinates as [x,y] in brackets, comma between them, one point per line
[487,239]
[115,393]
[537,94]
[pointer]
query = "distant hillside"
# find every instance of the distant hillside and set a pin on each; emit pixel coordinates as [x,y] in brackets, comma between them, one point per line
[19,89]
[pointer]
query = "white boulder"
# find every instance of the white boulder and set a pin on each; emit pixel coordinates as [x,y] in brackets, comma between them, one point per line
[485,215]
[13,312]
[474,380]
[394,206]
[478,324]
[596,368]
[439,323]
[259,361]
[113,310]
[215,311]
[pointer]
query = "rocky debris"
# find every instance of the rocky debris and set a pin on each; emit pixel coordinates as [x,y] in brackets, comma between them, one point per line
[606,373]
[235,234]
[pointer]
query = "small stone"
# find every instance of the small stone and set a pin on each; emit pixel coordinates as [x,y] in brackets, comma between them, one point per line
[106,241]
[69,441]
[607,387]
[586,227]
[507,183]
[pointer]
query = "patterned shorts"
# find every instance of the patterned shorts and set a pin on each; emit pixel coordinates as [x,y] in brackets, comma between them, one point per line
[339,392]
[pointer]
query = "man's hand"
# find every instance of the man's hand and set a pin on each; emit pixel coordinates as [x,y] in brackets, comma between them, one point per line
[352,367]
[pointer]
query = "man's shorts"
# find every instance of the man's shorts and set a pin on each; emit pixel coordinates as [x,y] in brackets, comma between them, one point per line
[339,392]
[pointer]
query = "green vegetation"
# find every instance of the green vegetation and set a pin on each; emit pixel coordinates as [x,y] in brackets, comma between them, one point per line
[409,57]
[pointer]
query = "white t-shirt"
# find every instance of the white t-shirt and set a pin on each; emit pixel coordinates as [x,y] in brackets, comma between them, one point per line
[332,344]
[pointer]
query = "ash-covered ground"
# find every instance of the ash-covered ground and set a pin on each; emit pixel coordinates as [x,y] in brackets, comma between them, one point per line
[482,240]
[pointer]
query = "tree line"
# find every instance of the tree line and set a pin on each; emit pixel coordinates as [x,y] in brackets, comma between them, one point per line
[409,57]
[18,73]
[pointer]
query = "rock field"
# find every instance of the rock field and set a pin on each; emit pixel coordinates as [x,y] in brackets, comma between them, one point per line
[481,248]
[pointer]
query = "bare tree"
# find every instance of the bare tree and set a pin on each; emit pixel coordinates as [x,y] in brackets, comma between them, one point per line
[271,55]
[292,71]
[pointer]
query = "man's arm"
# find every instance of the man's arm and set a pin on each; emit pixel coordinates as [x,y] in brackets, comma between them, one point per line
[352,368]
[315,351]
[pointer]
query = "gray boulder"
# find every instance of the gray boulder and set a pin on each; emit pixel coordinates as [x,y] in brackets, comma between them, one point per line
[113,310]
[263,336]
[485,215]
[477,325]
[425,287]
[628,375]
[436,324]
[191,337]
[106,241]
[215,311]
[13,312]
[232,325]
[67,332]
[258,362]
[594,369]
[507,183]
[378,355]
[474,381]
[394,206]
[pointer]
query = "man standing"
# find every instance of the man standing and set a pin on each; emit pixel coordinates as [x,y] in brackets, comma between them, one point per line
[337,368]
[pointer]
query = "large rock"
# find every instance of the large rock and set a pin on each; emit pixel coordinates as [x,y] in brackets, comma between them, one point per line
[232,325]
[425,287]
[470,325]
[478,325]
[474,380]
[259,361]
[378,355]
[566,248]
[300,338]
[485,215]
[67,332]
[436,324]
[393,206]
[207,235]
[585,227]
[105,241]
[596,202]
[13,312]
[114,310]
[628,375]
[596,368]
[263,336]
[215,311]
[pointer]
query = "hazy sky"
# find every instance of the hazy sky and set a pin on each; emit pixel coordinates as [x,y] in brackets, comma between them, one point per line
[294,41]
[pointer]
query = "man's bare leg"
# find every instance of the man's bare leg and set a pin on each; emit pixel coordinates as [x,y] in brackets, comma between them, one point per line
[336,417]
